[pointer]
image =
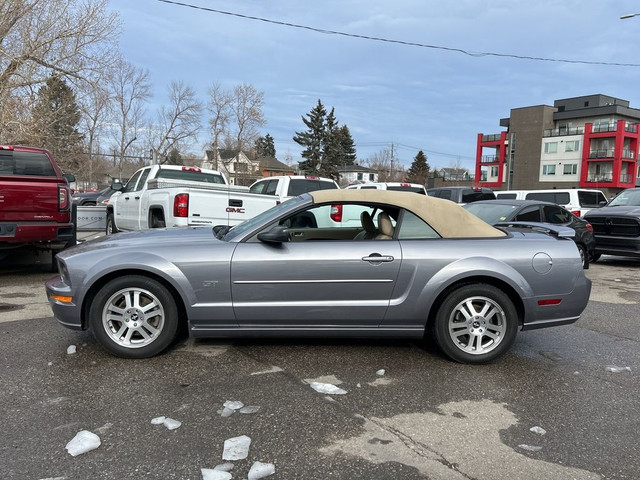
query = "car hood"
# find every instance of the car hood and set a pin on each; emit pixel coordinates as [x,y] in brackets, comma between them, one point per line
[630,210]
[145,239]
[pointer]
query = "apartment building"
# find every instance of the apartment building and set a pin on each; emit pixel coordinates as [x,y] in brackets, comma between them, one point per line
[587,142]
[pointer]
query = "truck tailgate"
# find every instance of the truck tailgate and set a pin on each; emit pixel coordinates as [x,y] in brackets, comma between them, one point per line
[30,200]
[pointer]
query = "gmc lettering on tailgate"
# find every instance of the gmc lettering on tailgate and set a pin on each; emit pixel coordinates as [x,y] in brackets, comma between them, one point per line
[235,210]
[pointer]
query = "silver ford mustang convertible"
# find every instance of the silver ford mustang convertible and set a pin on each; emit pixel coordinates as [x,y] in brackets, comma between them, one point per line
[348,263]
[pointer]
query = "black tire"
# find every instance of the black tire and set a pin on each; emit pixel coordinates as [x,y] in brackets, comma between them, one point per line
[493,334]
[584,256]
[595,257]
[111,224]
[138,331]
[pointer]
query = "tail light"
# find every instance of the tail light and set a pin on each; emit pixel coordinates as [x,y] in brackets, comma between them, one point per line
[191,169]
[63,198]
[181,205]
[576,213]
[589,227]
[336,213]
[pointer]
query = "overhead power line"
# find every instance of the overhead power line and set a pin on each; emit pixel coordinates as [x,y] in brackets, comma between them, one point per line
[399,42]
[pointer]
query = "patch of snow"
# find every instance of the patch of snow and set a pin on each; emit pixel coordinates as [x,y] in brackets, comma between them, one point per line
[104,428]
[71,349]
[233,404]
[83,442]
[530,448]
[614,369]
[157,420]
[271,370]
[226,412]
[213,474]
[250,409]
[236,448]
[171,424]
[327,388]
[225,467]
[261,470]
[381,372]
[538,430]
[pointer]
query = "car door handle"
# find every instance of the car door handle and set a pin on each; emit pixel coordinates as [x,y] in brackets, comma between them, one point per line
[137,198]
[377,258]
[126,198]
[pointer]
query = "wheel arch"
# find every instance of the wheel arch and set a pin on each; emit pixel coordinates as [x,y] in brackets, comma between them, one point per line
[475,280]
[102,281]
[154,209]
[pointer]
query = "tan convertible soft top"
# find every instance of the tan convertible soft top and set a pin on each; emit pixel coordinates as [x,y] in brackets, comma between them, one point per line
[449,219]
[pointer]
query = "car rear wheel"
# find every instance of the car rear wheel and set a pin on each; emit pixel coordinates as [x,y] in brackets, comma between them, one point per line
[476,324]
[583,255]
[134,317]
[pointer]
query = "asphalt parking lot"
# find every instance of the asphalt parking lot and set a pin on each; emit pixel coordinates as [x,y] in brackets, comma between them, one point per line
[425,417]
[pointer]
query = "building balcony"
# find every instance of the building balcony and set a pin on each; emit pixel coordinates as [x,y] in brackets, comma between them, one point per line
[601,153]
[490,159]
[558,132]
[626,178]
[491,138]
[628,154]
[606,178]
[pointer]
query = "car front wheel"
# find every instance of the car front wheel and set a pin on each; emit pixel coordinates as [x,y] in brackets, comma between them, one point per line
[111,224]
[134,317]
[476,324]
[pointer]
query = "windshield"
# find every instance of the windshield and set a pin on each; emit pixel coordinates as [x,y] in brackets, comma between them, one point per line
[629,197]
[263,217]
[491,213]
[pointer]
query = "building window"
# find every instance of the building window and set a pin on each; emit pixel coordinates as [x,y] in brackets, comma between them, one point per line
[494,171]
[360,177]
[572,146]
[548,170]
[570,169]
[551,147]
[371,177]
[240,167]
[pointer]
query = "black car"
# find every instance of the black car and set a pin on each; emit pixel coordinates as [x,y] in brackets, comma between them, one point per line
[500,211]
[462,195]
[616,226]
[89,199]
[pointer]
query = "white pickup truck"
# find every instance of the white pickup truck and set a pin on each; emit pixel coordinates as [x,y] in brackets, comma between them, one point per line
[160,196]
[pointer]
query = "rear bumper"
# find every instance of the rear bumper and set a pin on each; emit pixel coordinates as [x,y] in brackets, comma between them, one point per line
[625,246]
[36,232]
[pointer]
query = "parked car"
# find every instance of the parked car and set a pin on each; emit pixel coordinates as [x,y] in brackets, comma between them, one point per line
[90,199]
[434,267]
[462,195]
[393,186]
[577,200]
[35,200]
[286,186]
[500,211]
[616,226]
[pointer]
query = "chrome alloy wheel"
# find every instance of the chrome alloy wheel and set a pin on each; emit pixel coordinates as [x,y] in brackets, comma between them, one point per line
[133,317]
[477,325]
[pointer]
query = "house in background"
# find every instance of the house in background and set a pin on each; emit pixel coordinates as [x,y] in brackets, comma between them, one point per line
[241,169]
[454,174]
[270,167]
[350,174]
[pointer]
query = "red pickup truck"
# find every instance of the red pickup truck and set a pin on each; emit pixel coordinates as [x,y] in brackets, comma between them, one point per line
[35,200]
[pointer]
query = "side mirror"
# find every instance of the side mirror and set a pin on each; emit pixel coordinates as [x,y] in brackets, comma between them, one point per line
[69,177]
[277,234]
[602,203]
[117,186]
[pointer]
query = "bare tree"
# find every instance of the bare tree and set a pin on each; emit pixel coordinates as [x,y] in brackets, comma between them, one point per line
[130,89]
[219,106]
[178,122]
[388,171]
[69,38]
[248,114]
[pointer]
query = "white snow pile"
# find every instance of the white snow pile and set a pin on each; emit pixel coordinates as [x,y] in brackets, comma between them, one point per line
[213,474]
[530,448]
[327,388]
[236,448]
[83,442]
[170,423]
[261,470]
[538,430]
[614,369]
[233,406]
[381,372]
[71,349]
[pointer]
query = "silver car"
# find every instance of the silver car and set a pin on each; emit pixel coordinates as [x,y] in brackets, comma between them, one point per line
[415,265]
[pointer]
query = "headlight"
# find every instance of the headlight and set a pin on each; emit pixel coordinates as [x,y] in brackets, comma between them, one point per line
[64,272]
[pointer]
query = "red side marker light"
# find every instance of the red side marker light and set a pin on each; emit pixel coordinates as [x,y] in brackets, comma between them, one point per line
[549,301]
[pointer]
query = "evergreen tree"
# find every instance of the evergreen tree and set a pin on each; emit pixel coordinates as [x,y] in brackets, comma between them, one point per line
[265,147]
[56,116]
[329,146]
[419,170]
[312,139]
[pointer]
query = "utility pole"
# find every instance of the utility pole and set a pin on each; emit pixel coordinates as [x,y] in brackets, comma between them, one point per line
[391,178]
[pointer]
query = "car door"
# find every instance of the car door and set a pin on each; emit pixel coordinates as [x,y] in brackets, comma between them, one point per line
[123,204]
[321,279]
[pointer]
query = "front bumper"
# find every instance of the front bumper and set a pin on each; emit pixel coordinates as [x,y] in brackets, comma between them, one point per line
[66,313]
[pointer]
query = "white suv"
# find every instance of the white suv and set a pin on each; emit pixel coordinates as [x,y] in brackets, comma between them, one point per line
[577,200]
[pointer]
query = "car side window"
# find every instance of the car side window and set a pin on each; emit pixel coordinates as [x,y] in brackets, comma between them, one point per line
[529,214]
[413,227]
[143,178]
[271,187]
[258,187]
[556,215]
[131,184]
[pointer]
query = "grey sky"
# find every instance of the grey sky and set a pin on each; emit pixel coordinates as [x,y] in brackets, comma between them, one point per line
[416,98]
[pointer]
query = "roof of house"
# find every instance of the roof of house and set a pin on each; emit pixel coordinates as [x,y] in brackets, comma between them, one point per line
[355,168]
[271,163]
